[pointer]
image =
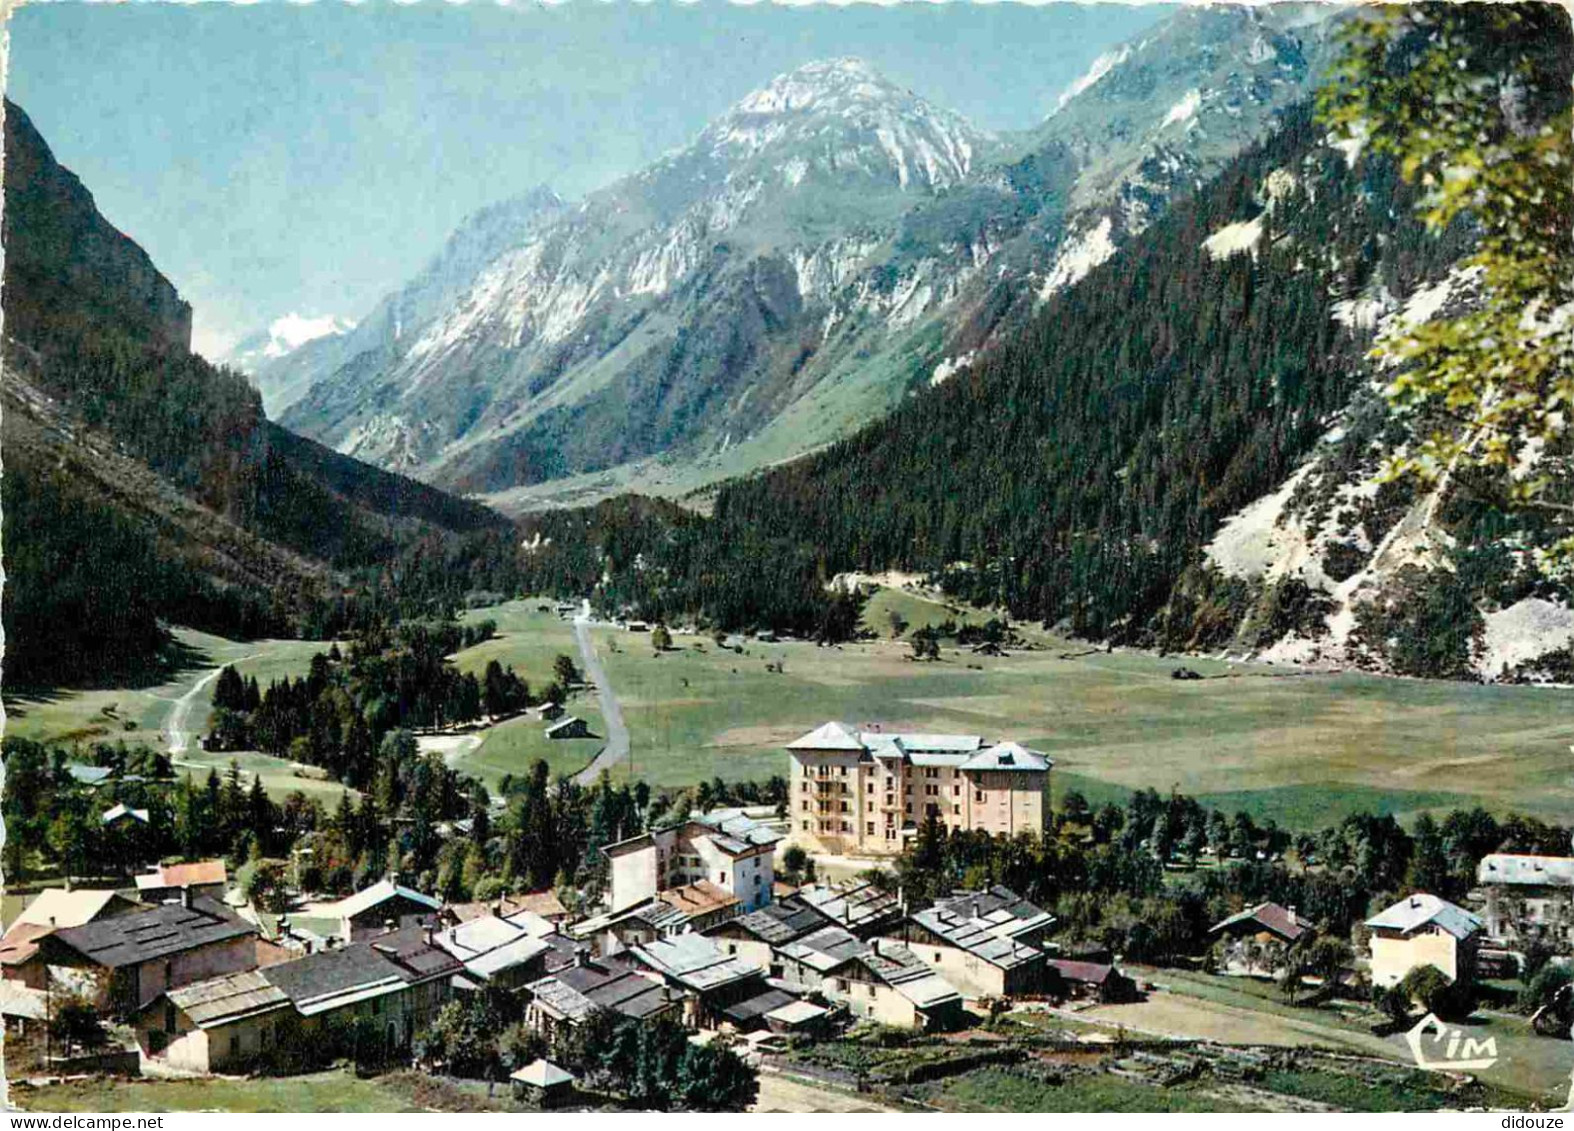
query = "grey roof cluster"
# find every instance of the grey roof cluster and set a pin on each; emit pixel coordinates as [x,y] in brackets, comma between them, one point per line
[789,918]
[694,962]
[1002,910]
[826,949]
[736,832]
[987,925]
[906,972]
[854,906]
[126,940]
[613,982]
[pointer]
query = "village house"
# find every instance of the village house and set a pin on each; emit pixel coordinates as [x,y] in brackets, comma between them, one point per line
[164,883]
[91,776]
[566,998]
[1423,930]
[984,943]
[859,906]
[546,712]
[1252,942]
[885,983]
[1528,898]
[495,952]
[123,962]
[756,936]
[710,978]
[398,980]
[50,909]
[374,911]
[727,848]
[861,792]
[1096,981]
[216,1025]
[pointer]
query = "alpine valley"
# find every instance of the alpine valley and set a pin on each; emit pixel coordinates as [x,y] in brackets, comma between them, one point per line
[826,248]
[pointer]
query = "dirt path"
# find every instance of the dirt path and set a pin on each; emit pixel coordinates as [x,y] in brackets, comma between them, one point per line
[617,748]
[784,1094]
[175,726]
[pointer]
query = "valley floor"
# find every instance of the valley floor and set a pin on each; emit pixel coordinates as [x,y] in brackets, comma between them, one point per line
[1300,747]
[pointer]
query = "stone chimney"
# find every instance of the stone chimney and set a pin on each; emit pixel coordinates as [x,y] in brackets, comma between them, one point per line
[185,895]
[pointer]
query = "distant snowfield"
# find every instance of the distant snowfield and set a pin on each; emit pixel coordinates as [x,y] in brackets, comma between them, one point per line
[293,331]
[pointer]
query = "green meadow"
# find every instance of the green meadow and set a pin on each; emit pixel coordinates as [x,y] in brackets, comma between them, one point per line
[1303,748]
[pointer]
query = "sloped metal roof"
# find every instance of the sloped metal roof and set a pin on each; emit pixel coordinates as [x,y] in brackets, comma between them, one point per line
[694,961]
[228,998]
[1421,909]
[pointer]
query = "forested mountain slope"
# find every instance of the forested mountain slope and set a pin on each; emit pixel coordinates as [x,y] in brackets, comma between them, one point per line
[1076,473]
[140,482]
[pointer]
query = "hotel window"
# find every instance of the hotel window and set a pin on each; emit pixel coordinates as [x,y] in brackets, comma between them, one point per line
[956,791]
[846,828]
[805,825]
[805,806]
[978,795]
[869,828]
[909,807]
[956,810]
[844,806]
[869,808]
[843,770]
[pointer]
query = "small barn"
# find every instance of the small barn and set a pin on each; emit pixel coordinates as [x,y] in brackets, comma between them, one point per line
[571,727]
[1096,980]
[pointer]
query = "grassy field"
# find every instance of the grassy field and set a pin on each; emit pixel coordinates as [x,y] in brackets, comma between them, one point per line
[322,1091]
[1305,749]
[138,715]
[1253,1011]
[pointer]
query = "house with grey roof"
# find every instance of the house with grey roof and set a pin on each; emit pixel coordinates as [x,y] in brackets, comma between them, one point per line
[216,1025]
[876,981]
[754,937]
[985,943]
[1423,930]
[859,906]
[384,906]
[570,995]
[709,977]
[1526,898]
[125,961]
[495,952]
[397,980]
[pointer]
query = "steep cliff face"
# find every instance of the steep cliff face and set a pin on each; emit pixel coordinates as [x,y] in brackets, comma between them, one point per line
[73,265]
[142,484]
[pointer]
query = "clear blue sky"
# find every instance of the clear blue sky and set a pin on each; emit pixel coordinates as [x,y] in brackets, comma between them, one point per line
[277,158]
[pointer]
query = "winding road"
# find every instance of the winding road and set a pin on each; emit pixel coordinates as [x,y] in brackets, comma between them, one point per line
[617,748]
[175,727]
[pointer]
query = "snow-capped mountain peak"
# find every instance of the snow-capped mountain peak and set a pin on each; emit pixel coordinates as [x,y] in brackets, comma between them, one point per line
[840,116]
[293,331]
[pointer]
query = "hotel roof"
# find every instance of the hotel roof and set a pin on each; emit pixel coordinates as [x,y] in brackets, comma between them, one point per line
[1536,871]
[960,751]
